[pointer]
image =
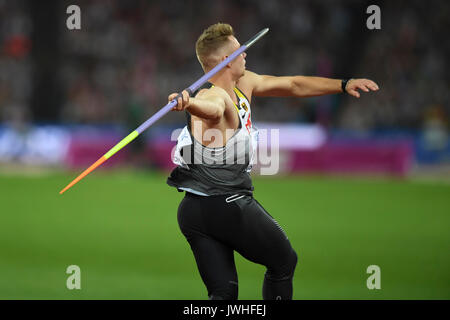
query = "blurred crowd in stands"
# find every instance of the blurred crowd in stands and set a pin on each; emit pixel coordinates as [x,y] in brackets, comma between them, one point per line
[15,63]
[129,55]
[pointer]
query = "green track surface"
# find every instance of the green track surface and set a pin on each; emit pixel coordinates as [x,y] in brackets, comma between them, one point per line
[121,229]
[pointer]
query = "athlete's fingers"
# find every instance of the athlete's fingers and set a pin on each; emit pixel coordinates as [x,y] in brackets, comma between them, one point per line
[180,103]
[172,96]
[357,84]
[185,98]
[369,85]
[363,87]
[353,92]
[372,85]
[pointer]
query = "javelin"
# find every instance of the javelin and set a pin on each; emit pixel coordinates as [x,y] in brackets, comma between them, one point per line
[166,109]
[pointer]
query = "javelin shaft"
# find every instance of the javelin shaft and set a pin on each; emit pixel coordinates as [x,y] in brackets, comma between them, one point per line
[158,115]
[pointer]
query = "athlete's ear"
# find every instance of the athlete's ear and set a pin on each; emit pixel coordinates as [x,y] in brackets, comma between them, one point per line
[228,64]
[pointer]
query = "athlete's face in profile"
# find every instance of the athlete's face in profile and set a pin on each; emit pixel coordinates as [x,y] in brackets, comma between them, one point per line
[238,64]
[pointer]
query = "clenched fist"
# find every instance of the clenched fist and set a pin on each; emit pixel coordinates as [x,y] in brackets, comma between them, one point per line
[183,100]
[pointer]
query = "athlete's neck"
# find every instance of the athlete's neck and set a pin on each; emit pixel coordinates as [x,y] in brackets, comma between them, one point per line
[225,82]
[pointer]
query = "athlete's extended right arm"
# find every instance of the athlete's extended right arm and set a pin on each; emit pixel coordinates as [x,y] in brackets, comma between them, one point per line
[205,105]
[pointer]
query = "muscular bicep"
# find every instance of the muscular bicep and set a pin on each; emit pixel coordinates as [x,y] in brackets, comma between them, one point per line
[208,104]
[270,86]
[213,95]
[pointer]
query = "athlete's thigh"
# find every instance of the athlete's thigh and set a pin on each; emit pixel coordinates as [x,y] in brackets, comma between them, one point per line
[215,260]
[261,239]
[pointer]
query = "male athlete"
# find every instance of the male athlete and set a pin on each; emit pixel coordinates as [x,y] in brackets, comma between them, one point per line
[214,154]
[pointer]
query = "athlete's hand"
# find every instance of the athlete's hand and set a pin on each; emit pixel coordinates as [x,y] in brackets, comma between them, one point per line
[363,84]
[183,102]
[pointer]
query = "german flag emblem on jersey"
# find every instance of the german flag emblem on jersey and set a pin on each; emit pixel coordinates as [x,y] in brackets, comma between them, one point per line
[244,105]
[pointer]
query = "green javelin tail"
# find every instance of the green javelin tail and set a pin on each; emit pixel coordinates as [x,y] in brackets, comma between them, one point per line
[121,144]
[105,157]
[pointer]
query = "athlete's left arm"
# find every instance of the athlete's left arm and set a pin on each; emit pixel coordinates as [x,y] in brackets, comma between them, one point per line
[304,86]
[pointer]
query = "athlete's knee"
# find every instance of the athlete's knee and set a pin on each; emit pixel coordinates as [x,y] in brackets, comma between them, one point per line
[228,291]
[294,260]
[291,263]
[285,267]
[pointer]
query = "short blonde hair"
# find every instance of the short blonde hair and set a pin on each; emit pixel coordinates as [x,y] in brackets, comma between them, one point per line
[212,39]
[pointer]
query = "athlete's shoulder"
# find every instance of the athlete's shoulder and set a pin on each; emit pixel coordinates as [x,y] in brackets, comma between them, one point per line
[211,91]
[249,77]
[248,82]
[215,94]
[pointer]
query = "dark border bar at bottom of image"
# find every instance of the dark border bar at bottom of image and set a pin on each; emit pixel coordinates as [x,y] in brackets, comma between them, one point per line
[241,309]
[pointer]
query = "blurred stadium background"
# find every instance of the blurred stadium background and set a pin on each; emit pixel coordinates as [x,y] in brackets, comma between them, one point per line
[362,181]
